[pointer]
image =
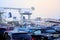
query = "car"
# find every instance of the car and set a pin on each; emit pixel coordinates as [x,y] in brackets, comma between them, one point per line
[57,28]
[35,33]
[57,39]
[50,33]
[21,35]
[43,34]
[49,30]
[34,30]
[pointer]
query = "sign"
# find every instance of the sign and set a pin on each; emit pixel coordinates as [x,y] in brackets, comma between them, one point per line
[26,11]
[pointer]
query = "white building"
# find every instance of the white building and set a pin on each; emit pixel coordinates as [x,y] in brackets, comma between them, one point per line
[14,14]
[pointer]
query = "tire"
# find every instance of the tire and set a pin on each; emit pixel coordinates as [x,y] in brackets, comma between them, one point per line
[6,36]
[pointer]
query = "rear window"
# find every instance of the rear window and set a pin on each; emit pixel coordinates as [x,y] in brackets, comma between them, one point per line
[21,36]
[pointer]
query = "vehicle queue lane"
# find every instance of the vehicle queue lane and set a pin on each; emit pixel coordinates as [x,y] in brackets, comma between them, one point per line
[45,36]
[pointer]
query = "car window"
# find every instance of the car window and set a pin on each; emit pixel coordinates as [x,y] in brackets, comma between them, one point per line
[51,31]
[37,32]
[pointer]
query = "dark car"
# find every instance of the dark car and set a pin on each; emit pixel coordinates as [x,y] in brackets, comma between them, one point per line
[50,33]
[21,36]
[57,28]
[15,35]
[43,34]
[35,33]
[2,30]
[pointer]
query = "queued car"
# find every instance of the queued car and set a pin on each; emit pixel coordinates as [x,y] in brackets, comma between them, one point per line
[35,33]
[43,34]
[10,35]
[57,28]
[17,34]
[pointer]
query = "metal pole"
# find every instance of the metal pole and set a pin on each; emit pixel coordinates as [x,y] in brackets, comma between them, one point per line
[21,18]
[1,16]
[28,17]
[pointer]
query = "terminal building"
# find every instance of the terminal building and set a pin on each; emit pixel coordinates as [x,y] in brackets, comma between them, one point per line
[15,14]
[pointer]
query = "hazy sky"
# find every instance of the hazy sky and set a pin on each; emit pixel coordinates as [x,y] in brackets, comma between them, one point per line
[43,8]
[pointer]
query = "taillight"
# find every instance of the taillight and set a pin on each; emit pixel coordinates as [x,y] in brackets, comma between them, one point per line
[33,38]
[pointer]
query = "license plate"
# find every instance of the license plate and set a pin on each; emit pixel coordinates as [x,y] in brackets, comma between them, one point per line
[56,35]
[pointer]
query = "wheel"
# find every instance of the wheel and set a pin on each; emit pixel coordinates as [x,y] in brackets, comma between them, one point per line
[6,36]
